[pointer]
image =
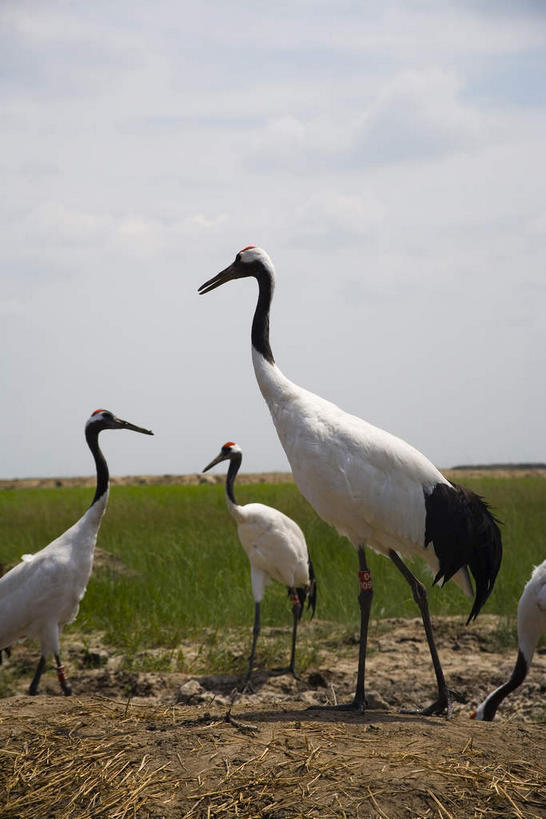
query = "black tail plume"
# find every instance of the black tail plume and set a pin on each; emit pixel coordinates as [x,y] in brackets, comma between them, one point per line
[309,592]
[464,532]
[312,593]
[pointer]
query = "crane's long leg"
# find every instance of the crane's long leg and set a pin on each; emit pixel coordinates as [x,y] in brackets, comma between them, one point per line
[255,632]
[296,614]
[63,680]
[365,601]
[33,688]
[445,696]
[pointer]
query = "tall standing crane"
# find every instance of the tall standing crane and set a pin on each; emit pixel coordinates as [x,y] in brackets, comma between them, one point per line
[376,489]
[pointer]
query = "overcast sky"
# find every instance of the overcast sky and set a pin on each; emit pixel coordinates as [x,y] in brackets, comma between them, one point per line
[389,156]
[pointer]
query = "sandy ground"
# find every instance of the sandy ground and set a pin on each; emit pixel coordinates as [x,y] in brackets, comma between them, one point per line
[172,744]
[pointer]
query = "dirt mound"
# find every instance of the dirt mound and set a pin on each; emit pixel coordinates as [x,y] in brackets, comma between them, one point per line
[90,757]
[174,743]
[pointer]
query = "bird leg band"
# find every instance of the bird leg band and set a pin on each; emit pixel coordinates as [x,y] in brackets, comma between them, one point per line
[294,598]
[61,676]
[365,578]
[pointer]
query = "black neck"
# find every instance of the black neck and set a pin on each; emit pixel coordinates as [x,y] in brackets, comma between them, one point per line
[518,675]
[260,324]
[92,438]
[234,464]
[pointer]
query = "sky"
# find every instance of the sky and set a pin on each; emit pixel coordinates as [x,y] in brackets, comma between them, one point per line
[389,156]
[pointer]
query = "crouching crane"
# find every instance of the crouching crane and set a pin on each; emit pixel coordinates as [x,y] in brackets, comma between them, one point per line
[374,488]
[531,625]
[276,549]
[43,592]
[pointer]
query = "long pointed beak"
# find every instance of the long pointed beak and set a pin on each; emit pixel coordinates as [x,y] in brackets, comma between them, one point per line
[224,276]
[127,425]
[219,458]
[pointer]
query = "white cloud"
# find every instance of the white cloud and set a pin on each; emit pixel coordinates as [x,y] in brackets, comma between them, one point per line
[330,214]
[143,145]
[419,114]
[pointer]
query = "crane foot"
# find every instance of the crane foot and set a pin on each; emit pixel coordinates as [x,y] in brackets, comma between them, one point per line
[247,687]
[443,703]
[357,705]
[279,672]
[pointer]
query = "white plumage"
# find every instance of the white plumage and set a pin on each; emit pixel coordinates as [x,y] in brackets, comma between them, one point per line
[531,626]
[362,480]
[275,547]
[42,594]
[376,489]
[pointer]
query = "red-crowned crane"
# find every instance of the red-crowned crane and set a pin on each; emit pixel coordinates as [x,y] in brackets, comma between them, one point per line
[374,488]
[531,626]
[43,592]
[276,549]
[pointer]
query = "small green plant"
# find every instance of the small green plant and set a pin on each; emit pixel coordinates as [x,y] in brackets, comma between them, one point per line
[157,660]
[7,689]
[504,636]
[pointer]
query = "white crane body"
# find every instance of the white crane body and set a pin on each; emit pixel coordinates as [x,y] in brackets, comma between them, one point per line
[273,542]
[532,612]
[275,546]
[364,481]
[42,594]
[54,581]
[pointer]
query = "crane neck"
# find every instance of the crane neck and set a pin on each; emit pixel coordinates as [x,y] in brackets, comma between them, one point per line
[103,477]
[260,323]
[234,465]
[518,675]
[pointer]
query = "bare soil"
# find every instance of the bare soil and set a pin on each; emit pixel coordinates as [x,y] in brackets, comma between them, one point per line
[173,744]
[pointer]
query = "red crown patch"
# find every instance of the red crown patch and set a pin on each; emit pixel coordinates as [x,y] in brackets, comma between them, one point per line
[97,411]
[250,247]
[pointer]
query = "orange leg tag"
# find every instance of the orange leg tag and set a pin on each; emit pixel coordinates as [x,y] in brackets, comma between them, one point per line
[365,578]
[61,676]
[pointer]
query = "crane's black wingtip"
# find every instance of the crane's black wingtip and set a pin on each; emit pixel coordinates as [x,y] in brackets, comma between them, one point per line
[463,532]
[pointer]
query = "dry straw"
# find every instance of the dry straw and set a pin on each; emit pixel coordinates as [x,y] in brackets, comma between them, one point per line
[100,758]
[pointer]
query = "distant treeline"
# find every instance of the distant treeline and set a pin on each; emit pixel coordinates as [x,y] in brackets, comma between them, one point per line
[501,466]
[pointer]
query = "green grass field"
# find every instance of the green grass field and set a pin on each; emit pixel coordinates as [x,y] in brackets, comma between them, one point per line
[189,571]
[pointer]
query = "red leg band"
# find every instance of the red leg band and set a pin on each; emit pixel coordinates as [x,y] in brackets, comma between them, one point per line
[365,578]
[61,676]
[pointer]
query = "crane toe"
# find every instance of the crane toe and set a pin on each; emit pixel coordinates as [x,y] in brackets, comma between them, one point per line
[444,703]
[287,669]
[247,687]
[357,705]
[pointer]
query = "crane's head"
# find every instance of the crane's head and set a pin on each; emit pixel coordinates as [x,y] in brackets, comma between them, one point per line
[104,419]
[229,451]
[251,261]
